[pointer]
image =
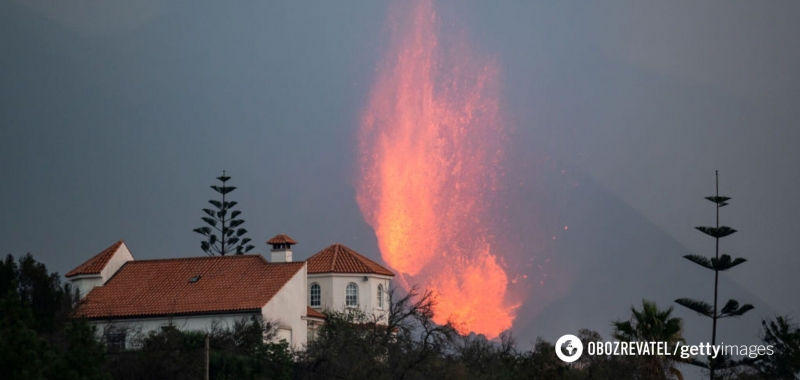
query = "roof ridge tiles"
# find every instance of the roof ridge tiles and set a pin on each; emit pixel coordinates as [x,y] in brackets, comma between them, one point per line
[97,262]
[335,254]
[281,239]
[338,258]
[259,256]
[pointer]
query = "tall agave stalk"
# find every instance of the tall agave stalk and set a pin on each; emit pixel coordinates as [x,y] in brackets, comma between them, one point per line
[718,263]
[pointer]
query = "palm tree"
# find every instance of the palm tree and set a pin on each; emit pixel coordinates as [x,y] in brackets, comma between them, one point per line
[651,324]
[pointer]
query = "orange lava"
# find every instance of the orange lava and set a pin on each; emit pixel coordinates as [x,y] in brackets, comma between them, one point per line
[431,143]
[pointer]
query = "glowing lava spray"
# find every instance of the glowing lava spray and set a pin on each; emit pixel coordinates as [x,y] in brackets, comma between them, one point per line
[431,153]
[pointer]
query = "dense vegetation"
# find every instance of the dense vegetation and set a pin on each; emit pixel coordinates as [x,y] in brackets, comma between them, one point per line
[39,340]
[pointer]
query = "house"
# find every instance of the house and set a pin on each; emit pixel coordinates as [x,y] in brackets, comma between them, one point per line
[123,296]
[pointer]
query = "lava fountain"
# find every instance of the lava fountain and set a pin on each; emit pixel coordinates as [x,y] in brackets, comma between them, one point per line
[431,159]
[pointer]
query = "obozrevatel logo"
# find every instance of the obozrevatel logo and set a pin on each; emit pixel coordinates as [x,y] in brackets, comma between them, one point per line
[571,345]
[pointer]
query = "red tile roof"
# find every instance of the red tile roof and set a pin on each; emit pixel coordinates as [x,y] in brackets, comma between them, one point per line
[281,239]
[337,258]
[162,287]
[96,264]
[314,314]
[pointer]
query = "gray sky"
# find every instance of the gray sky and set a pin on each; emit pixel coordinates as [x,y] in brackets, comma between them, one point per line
[115,118]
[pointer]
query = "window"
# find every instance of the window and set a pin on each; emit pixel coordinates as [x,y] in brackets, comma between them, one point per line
[380,296]
[316,294]
[351,295]
[312,332]
[115,341]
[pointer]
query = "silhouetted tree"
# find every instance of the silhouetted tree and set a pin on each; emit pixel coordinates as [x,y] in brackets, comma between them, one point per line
[718,263]
[784,337]
[652,324]
[23,354]
[488,360]
[542,363]
[38,340]
[223,233]
[403,343]
[606,367]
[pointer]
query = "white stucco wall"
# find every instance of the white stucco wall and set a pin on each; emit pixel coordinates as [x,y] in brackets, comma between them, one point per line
[85,283]
[288,307]
[120,257]
[282,255]
[138,328]
[333,290]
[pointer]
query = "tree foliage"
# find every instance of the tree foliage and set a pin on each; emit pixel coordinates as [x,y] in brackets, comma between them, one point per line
[717,263]
[224,233]
[405,343]
[784,336]
[651,324]
[243,351]
[38,339]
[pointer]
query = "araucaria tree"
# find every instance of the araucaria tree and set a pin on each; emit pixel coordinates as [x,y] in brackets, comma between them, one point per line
[718,263]
[224,233]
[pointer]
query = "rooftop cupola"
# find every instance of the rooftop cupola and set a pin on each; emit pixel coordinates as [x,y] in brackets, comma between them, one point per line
[281,248]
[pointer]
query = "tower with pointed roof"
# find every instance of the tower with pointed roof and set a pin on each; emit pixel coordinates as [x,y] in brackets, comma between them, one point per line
[340,278]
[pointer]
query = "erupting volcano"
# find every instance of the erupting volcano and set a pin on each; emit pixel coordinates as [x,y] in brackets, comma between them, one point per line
[431,152]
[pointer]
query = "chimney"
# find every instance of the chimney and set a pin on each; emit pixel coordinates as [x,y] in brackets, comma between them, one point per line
[281,248]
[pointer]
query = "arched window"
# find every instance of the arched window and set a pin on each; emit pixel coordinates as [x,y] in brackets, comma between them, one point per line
[380,296]
[351,295]
[316,294]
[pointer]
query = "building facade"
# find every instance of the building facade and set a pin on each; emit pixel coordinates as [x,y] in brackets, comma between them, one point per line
[126,298]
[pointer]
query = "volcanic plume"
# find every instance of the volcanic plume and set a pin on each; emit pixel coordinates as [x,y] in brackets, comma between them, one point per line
[431,162]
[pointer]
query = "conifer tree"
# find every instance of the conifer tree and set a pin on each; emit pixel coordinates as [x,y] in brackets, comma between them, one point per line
[223,234]
[718,263]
